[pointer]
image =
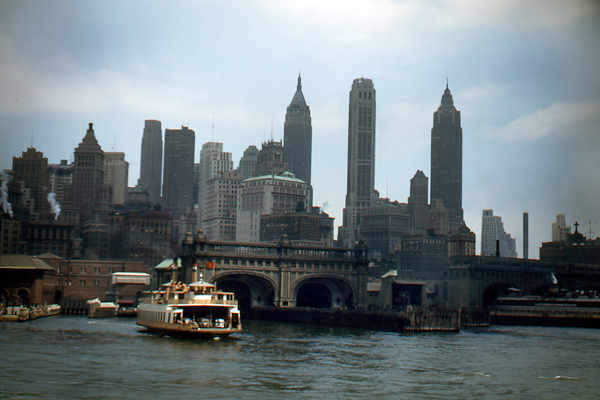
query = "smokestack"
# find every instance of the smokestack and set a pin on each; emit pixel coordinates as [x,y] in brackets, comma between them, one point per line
[525,236]
[497,247]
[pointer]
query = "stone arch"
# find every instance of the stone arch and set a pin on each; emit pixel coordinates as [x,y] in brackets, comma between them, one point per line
[23,295]
[330,291]
[251,289]
[4,297]
[494,290]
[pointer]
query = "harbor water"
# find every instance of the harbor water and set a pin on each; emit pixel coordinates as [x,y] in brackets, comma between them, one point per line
[74,357]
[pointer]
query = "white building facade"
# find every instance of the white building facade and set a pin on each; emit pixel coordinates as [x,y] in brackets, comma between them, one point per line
[492,229]
[266,194]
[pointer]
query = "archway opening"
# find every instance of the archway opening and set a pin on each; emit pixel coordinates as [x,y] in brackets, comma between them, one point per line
[23,296]
[242,293]
[58,296]
[489,297]
[314,295]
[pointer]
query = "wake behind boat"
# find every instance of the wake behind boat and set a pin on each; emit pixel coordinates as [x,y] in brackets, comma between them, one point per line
[197,309]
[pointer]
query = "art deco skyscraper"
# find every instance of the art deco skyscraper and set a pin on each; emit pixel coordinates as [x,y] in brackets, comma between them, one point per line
[179,170]
[88,190]
[361,193]
[297,134]
[446,159]
[151,160]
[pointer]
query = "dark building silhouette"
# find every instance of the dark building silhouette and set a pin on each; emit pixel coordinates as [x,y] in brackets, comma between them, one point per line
[574,249]
[151,160]
[418,207]
[446,159]
[299,227]
[271,159]
[297,134]
[178,180]
[382,228]
[32,170]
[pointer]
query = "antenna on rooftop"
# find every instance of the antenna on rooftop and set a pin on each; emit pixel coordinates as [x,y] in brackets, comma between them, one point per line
[272,129]
[31,137]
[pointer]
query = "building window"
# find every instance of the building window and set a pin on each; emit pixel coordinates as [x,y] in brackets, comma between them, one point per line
[96,270]
[96,283]
[83,270]
[82,283]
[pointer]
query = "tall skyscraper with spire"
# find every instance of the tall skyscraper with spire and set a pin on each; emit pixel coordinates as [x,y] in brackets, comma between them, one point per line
[297,136]
[446,159]
[360,193]
[151,160]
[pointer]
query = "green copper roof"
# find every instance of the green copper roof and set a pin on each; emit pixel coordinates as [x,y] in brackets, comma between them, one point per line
[285,176]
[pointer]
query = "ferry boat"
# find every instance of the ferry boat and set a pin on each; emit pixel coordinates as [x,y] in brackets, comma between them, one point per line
[197,309]
[580,311]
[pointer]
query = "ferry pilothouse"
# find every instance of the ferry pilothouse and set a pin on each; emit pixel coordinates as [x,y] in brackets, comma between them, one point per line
[196,309]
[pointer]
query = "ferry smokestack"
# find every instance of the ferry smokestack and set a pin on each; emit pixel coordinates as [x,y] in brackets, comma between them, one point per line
[525,236]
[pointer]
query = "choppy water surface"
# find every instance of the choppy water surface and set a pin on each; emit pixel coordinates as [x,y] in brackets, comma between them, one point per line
[80,358]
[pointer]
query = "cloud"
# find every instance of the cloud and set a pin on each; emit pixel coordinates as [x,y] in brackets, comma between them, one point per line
[557,120]
[485,90]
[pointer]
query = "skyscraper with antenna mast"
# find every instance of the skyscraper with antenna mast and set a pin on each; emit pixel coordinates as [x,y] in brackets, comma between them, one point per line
[446,159]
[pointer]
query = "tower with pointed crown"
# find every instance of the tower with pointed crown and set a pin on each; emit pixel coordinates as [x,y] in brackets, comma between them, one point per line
[446,159]
[297,134]
[88,190]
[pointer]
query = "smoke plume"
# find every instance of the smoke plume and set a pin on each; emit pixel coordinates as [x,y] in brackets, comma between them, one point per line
[54,205]
[4,198]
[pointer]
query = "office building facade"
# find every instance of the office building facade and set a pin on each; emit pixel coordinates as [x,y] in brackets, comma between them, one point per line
[360,193]
[178,179]
[151,161]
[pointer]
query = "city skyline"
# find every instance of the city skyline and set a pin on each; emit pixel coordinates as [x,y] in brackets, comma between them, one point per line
[524,81]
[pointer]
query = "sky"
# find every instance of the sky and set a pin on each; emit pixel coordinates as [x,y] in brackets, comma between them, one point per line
[524,74]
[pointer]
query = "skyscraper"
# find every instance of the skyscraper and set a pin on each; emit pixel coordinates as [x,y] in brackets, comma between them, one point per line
[213,162]
[32,170]
[248,162]
[271,159]
[417,203]
[151,160]
[297,133]
[178,179]
[88,191]
[116,175]
[360,193]
[492,229]
[446,159]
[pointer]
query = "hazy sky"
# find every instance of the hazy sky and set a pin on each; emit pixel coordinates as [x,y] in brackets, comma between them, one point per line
[524,74]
